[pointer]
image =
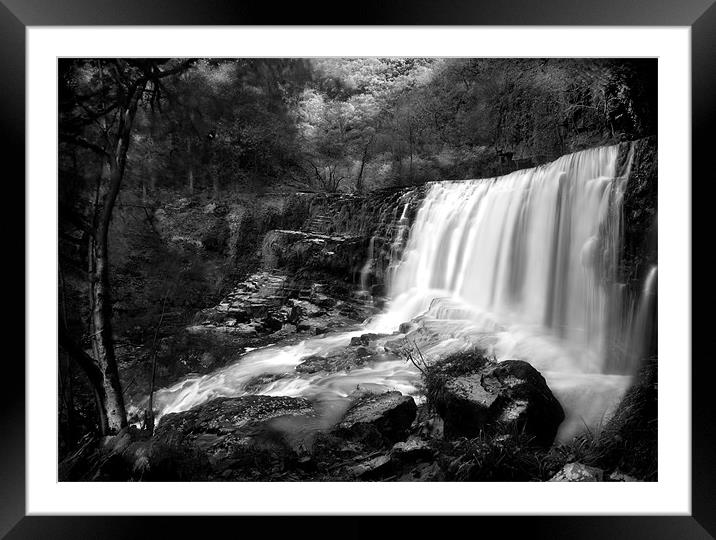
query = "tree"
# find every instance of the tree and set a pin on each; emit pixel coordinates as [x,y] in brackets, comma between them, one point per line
[351,110]
[99,103]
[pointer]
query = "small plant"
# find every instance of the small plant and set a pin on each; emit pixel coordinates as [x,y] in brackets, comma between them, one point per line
[413,355]
[510,456]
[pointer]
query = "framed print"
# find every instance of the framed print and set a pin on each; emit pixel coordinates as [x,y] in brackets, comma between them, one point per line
[407,265]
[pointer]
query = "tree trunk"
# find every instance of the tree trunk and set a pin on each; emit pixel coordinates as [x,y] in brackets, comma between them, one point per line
[359,180]
[110,394]
[91,369]
[107,386]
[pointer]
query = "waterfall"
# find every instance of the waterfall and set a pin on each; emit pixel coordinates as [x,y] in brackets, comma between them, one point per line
[643,335]
[386,244]
[536,250]
[525,264]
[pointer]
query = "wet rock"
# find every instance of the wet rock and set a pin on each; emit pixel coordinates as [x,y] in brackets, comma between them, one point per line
[304,308]
[323,301]
[412,449]
[272,324]
[578,472]
[406,327]
[473,393]
[259,382]
[375,468]
[230,415]
[378,419]
[256,310]
[307,464]
[243,434]
[207,360]
[314,364]
[342,360]
[432,427]
[424,472]
[364,339]
[295,251]
[618,476]
[238,329]
[240,315]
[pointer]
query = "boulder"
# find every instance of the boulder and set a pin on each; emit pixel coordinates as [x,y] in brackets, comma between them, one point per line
[375,468]
[314,364]
[473,393]
[259,382]
[424,472]
[323,300]
[247,436]
[618,476]
[272,324]
[428,423]
[378,419]
[302,309]
[365,339]
[407,327]
[412,449]
[342,360]
[578,472]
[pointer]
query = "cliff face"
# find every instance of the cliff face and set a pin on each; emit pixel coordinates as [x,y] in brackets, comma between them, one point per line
[639,250]
[353,240]
[362,215]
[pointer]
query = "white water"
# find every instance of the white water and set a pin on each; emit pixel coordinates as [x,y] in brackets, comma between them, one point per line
[523,262]
[396,228]
[526,249]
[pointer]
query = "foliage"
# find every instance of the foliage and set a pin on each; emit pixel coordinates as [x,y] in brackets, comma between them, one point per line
[511,457]
[364,123]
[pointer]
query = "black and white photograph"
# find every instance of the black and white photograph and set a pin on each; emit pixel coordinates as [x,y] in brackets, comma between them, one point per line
[357,269]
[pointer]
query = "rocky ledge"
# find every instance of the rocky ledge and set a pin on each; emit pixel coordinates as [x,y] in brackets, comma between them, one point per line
[269,302]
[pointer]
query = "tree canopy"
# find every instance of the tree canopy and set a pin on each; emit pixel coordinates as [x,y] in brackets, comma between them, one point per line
[365,123]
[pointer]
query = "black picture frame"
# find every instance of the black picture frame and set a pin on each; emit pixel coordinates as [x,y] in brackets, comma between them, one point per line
[16,15]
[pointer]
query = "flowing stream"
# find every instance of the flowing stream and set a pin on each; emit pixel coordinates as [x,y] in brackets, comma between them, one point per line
[524,265]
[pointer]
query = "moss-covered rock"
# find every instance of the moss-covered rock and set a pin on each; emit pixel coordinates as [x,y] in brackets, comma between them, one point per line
[378,419]
[240,438]
[473,393]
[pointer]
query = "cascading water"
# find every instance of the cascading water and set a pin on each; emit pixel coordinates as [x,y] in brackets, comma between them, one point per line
[643,342]
[390,235]
[525,262]
[530,250]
